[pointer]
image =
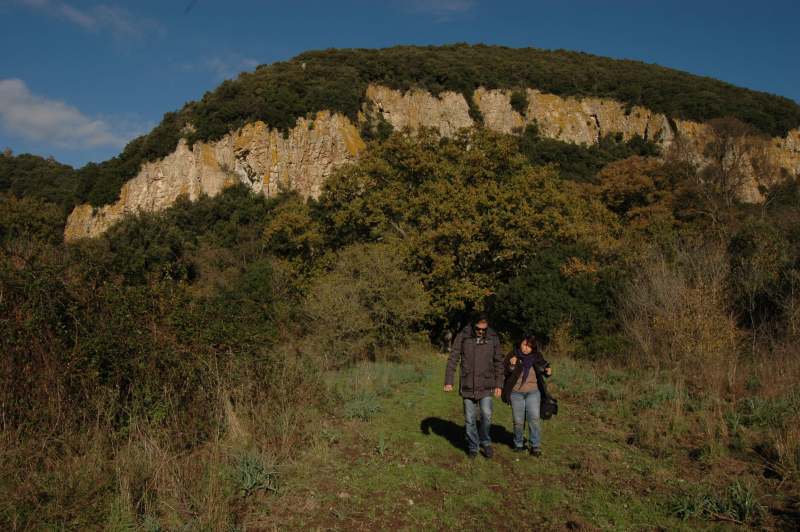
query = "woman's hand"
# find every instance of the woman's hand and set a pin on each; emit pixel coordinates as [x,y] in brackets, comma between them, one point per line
[548,371]
[512,361]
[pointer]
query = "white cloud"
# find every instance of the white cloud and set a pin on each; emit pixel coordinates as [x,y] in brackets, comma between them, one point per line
[26,115]
[116,21]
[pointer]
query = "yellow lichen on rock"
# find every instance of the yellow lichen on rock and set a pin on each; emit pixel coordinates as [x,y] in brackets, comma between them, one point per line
[352,140]
[209,158]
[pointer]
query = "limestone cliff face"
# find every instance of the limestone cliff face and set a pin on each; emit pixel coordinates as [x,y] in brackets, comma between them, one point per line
[255,155]
[268,162]
[786,151]
[413,109]
[587,120]
[580,121]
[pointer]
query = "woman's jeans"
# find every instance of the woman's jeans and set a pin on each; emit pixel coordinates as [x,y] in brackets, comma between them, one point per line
[526,406]
[477,434]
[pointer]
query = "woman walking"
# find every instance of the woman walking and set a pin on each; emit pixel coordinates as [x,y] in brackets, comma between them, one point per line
[524,368]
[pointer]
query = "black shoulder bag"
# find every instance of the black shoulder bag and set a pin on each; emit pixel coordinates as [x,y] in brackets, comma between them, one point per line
[548,406]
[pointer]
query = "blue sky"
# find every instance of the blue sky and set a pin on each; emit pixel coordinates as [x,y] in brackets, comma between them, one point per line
[79,78]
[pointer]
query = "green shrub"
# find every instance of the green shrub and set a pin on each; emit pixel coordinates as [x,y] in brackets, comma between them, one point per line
[757,411]
[37,178]
[579,162]
[367,301]
[465,210]
[738,504]
[363,408]
[250,473]
[545,294]
[519,101]
[26,219]
[658,394]
[760,258]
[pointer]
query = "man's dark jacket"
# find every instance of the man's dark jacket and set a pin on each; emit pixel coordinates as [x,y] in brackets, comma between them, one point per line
[481,363]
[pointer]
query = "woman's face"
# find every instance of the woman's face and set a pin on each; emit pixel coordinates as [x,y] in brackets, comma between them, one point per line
[525,347]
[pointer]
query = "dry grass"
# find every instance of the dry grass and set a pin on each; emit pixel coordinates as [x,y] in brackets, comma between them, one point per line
[675,312]
[709,393]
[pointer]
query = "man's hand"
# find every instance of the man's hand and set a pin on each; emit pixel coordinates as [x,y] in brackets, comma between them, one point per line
[448,387]
[512,360]
[548,371]
[498,392]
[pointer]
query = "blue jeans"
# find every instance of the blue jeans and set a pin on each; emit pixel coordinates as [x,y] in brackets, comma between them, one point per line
[526,405]
[477,434]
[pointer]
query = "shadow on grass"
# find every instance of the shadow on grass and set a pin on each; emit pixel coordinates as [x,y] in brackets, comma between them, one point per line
[454,432]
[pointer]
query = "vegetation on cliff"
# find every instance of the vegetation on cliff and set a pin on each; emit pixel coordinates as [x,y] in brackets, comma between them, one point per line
[336,80]
[35,177]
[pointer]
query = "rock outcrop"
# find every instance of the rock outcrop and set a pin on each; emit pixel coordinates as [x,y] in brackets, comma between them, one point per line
[260,157]
[268,162]
[580,121]
[448,112]
[786,151]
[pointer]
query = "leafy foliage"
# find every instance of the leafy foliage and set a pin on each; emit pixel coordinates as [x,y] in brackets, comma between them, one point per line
[31,176]
[519,101]
[467,218]
[559,284]
[578,162]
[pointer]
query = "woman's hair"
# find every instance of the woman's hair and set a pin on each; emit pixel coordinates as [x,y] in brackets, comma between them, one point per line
[531,341]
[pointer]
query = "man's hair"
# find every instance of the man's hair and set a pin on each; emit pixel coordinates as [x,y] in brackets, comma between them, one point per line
[479,317]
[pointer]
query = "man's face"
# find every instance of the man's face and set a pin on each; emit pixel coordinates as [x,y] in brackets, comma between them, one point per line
[480,329]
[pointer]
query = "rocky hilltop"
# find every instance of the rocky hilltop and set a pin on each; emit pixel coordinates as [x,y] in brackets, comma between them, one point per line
[268,160]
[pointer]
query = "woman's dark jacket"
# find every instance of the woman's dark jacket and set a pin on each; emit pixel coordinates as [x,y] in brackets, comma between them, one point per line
[513,374]
[481,363]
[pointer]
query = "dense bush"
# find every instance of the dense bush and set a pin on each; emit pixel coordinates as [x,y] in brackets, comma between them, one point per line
[560,284]
[35,177]
[763,270]
[519,101]
[676,312]
[29,218]
[467,217]
[364,303]
[578,162]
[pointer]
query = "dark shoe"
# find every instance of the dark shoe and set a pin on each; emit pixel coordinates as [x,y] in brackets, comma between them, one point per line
[472,454]
[488,452]
[519,449]
[535,451]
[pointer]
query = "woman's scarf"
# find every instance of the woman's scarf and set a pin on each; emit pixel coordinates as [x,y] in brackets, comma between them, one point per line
[526,360]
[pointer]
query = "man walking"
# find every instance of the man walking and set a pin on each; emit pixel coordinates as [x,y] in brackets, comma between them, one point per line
[477,349]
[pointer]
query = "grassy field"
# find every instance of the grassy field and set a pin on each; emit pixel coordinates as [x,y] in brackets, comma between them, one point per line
[393,458]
